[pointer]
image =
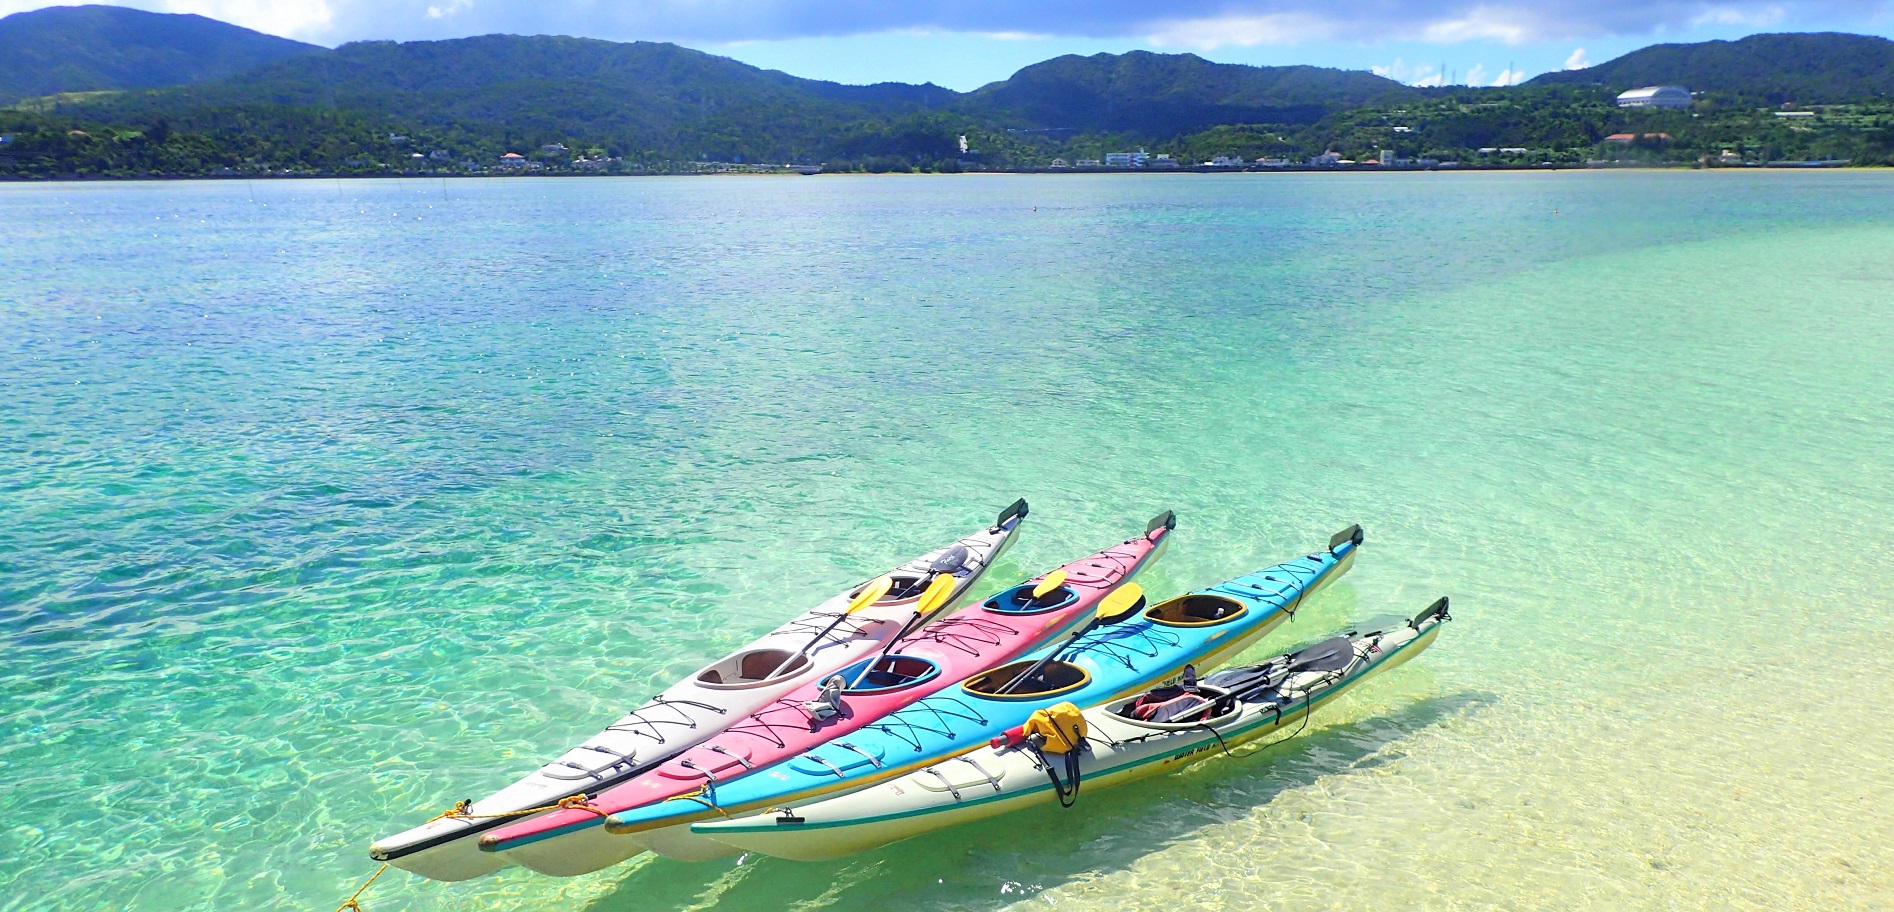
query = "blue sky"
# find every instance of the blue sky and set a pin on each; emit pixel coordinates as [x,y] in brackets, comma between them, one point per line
[963,44]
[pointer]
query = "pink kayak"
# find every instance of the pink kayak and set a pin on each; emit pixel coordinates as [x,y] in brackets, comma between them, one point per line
[971,640]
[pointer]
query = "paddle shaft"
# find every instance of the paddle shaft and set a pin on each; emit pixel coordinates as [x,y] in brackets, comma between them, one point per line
[811,644]
[1036,666]
[914,623]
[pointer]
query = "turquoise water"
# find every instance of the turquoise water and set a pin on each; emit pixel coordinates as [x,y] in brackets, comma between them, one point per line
[326,504]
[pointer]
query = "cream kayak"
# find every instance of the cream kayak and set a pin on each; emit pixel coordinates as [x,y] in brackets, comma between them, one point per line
[1158,731]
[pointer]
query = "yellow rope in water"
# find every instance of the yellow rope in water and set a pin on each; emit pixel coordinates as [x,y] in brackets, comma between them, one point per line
[460,811]
[354,900]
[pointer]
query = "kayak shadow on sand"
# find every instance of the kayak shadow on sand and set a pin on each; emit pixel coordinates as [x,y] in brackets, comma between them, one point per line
[1002,860]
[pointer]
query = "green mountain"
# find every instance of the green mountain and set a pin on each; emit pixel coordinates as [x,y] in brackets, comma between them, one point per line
[89,48]
[632,97]
[432,106]
[1813,68]
[1163,95]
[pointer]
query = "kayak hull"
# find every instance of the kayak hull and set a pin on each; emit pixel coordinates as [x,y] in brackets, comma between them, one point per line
[1117,660]
[1012,780]
[970,640]
[691,711]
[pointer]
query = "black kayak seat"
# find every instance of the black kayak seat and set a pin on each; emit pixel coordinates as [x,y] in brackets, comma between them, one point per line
[951,560]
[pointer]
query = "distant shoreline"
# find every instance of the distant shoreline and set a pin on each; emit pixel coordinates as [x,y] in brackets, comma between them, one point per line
[1300,169]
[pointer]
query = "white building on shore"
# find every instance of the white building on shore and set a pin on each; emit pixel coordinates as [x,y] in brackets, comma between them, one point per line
[1655,97]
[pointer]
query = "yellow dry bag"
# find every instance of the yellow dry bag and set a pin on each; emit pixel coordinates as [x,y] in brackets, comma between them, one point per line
[1061,725]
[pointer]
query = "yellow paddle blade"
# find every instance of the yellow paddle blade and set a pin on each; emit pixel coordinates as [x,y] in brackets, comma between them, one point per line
[937,594]
[1053,580]
[870,594]
[1122,601]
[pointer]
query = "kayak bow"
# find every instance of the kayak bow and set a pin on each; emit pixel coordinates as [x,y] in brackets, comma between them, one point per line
[574,841]
[697,707]
[1203,628]
[1124,741]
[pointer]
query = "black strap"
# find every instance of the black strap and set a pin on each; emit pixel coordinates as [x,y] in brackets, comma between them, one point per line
[1068,791]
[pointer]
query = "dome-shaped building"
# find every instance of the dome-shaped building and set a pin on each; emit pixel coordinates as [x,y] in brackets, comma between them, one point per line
[1655,97]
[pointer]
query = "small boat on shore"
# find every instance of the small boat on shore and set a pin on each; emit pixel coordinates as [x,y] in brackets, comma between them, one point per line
[842,631]
[1161,730]
[979,636]
[1203,628]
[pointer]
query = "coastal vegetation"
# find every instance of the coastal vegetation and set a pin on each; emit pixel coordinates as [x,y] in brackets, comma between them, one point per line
[551,104]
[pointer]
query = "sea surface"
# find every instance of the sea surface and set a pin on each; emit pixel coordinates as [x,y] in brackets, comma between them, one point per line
[324,504]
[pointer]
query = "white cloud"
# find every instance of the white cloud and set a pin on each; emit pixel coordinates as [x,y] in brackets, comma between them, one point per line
[1244,31]
[1419,74]
[1174,24]
[290,18]
[1509,77]
[1759,17]
[1483,23]
[1577,61]
[1477,75]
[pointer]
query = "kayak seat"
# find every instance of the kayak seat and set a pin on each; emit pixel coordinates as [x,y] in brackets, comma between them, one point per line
[1177,705]
[1019,600]
[889,672]
[952,560]
[906,587]
[1180,708]
[758,665]
[1055,678]
[748,669]
[1196,611]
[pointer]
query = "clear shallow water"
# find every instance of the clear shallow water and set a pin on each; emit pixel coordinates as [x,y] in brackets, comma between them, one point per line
[326,504]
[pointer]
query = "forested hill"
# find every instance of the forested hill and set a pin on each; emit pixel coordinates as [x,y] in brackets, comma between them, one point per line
[1810,68]
[665,97]
[568,104]
[90,48]
[1170,94]
[634,96]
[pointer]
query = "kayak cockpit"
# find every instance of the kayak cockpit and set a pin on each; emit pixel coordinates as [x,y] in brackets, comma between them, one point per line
[752,668]
[890,672]
[1053,679]
[905,587]
[910,581]
[1196,610]
[1176,706]
[1020,600]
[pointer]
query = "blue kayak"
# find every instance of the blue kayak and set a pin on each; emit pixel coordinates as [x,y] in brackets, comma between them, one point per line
[1201,629]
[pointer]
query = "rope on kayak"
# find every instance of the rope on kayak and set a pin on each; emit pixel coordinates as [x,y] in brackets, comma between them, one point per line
[843,630]
[705,795]
[1119,644]
[1287,597]
[897,725]
[965,634]
[462,811]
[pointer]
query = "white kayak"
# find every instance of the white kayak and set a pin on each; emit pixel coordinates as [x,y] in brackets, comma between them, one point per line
[1159,731]
[689,712]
